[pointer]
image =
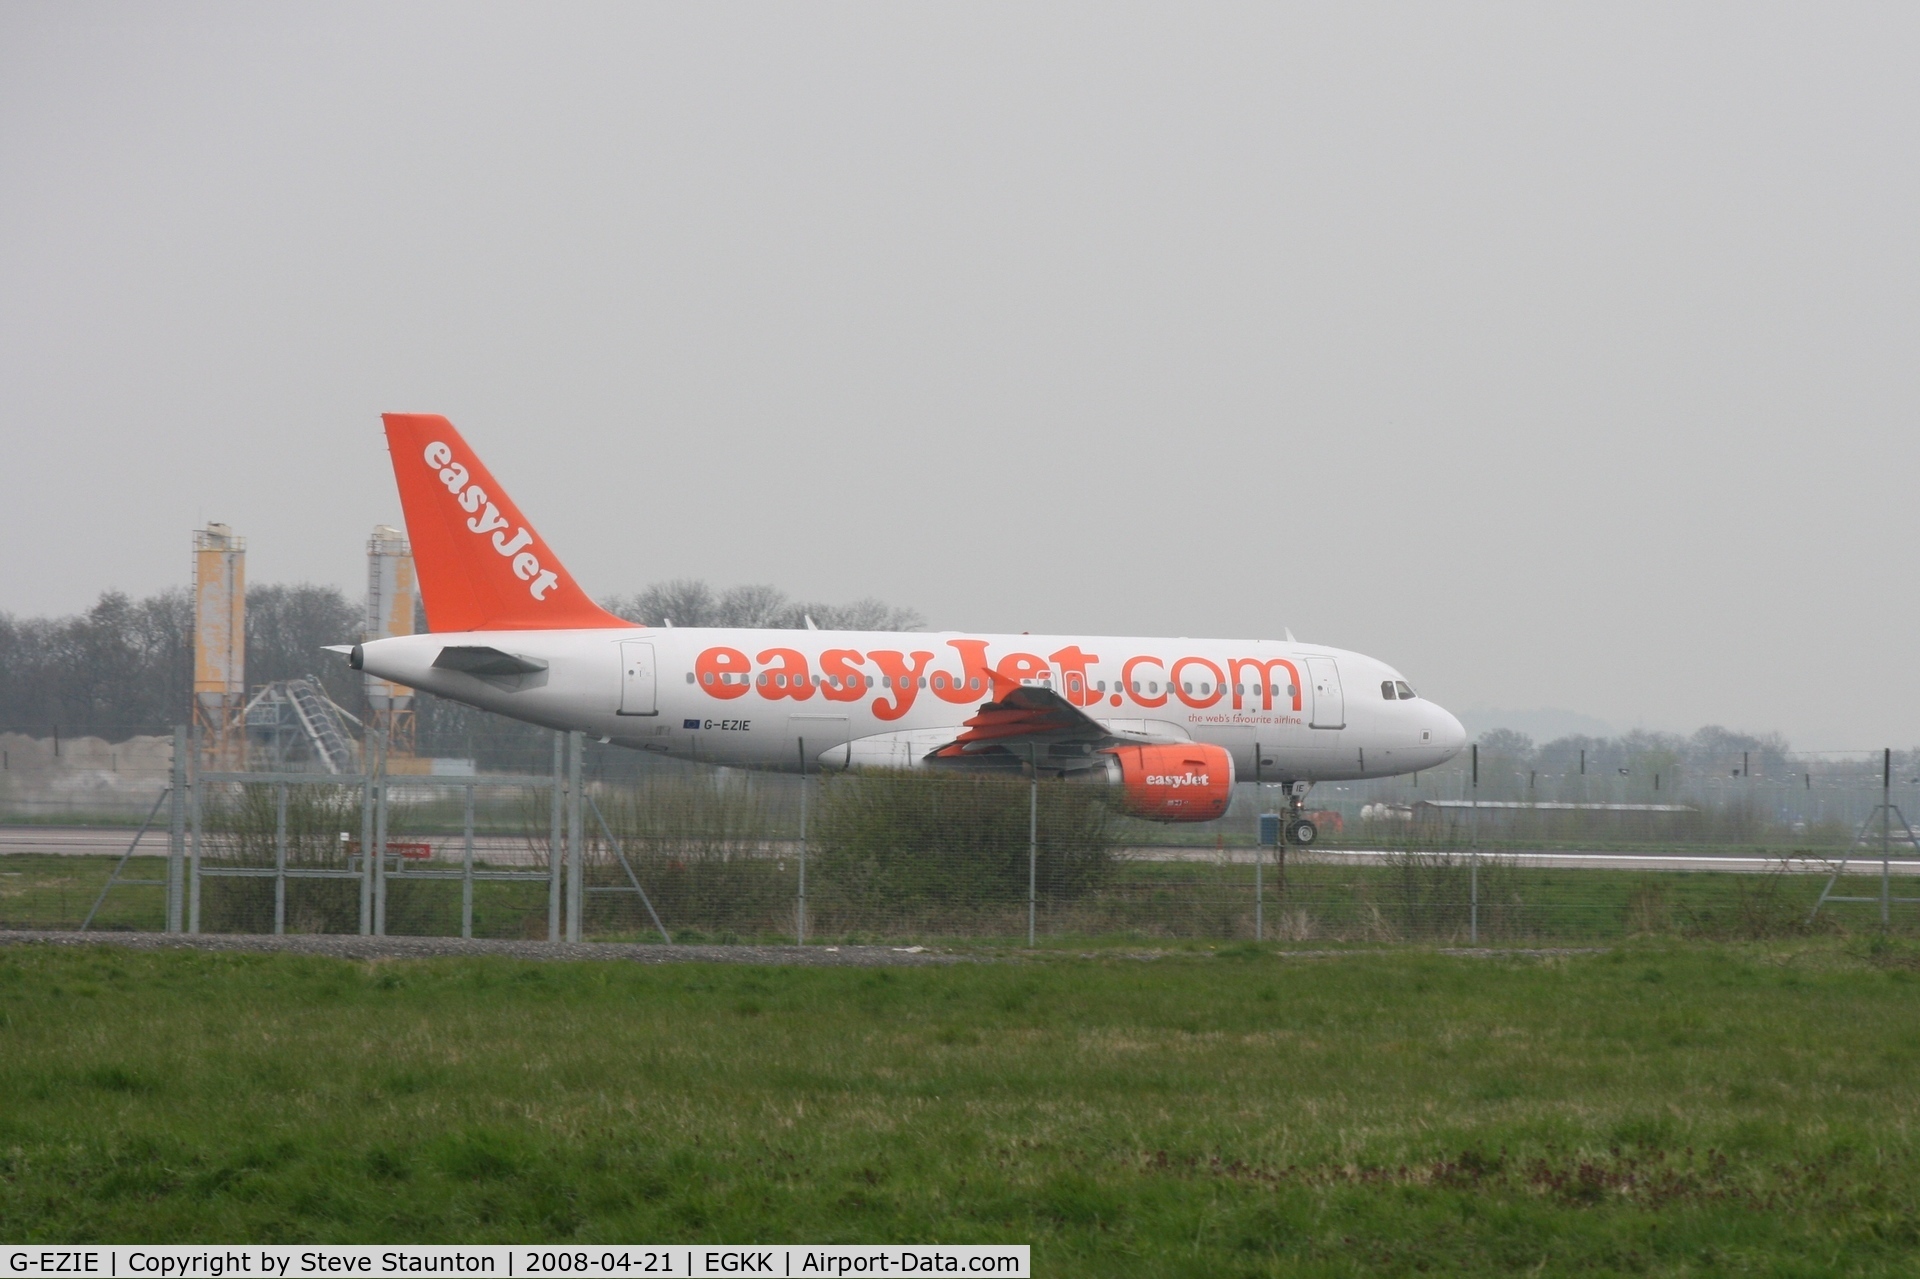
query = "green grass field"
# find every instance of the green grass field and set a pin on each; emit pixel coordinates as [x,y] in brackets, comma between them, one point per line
[1679,1109]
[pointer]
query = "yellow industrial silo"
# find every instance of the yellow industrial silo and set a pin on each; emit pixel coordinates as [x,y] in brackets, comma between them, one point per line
[219,642]
[391,594]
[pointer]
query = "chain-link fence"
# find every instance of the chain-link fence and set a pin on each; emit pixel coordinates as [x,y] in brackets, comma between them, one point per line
[1610,799]
[554,839]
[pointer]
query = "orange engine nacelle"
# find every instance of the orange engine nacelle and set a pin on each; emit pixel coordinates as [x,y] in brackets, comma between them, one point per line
[1182,782]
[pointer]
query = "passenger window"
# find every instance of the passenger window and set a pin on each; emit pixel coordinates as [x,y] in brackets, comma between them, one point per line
[1405,690]
[1386,689]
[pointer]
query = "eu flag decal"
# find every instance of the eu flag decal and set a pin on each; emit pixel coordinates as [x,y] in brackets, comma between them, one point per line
[689,723]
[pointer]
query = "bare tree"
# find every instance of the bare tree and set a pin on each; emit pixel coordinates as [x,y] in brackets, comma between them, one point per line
[690,602]
[683,602]
[288,628]
[122,667]
[754,607]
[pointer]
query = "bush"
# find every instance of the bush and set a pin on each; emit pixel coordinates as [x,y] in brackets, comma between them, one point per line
[239,830]
[1759,908]
[706,850]
[893,847]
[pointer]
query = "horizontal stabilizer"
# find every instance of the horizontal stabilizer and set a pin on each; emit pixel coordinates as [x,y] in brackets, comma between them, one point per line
[478,659]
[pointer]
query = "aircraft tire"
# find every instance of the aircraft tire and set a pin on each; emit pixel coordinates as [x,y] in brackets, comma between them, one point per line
[1303,832]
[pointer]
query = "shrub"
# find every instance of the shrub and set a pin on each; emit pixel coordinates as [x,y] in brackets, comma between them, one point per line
[896,846]
[706,850]
[239,829]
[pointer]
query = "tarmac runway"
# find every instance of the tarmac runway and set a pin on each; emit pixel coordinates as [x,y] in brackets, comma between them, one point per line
[1901,863]
[99,841]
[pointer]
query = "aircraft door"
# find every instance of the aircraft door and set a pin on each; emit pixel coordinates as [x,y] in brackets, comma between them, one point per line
[1329,702]
[637,679]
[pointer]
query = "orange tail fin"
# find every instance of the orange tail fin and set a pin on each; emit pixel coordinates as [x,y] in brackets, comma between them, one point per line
[481,566]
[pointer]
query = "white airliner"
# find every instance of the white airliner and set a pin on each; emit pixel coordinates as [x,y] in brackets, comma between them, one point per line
[1171,723]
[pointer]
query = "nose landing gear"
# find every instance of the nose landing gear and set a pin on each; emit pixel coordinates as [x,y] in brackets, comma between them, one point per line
[1300,829]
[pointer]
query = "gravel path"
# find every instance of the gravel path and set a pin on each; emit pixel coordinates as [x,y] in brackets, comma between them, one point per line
[355,947]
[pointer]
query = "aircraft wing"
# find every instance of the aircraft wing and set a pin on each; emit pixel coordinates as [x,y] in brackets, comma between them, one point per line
[1028,720]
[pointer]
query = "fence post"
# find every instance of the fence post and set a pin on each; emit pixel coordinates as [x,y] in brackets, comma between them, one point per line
[1033,840]
[194,829]
[613,846]
[576,859]
[554,845]
[1259,850]
[800,915]
[1886,836]
[466,877]
[279,859]
[177,831]
[366,837]
[1280,853]
[1473,895]
[1473,858]
[378,849]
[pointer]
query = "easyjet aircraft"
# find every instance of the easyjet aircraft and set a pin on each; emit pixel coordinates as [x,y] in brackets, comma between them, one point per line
[1170,722]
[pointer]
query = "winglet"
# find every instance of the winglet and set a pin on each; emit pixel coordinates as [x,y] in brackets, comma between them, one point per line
[481,565]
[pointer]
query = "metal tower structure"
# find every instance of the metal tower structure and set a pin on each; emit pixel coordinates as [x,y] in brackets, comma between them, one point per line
[220,644]
[292,721]
[391,592]
[1886,812]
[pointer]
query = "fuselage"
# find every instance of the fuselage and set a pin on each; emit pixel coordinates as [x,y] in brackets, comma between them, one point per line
[1284,711]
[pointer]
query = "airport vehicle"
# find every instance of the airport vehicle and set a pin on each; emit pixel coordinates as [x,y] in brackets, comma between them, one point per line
[1171,723]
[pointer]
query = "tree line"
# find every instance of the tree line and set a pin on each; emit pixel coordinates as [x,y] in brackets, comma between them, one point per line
[1646,765]
[125,666]
[1710,751]
[690,602]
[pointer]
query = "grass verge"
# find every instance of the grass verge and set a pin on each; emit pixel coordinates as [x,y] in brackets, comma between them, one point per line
[1660,1110]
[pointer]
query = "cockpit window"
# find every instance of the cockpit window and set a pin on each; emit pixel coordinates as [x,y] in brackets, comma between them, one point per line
[1386,689]
[1406,690]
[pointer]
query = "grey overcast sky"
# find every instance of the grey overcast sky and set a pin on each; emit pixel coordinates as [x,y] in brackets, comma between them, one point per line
[1563,355]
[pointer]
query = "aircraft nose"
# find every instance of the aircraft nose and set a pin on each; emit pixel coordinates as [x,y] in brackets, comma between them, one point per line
[1449,734]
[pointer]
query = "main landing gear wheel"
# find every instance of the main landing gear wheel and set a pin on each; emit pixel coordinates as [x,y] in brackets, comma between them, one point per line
[1302,832]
